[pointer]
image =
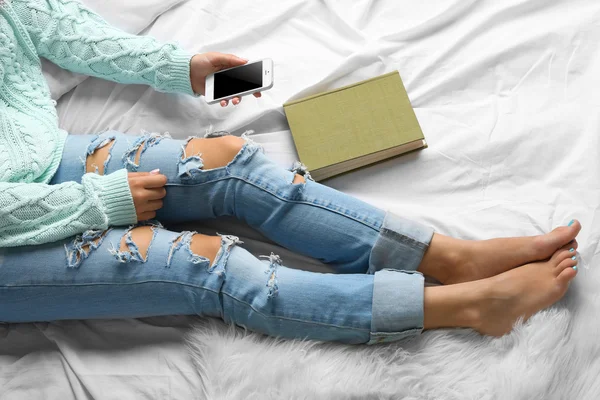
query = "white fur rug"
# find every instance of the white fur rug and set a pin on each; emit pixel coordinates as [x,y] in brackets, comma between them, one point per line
[555,355]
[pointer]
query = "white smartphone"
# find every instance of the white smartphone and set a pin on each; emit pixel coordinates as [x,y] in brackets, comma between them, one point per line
[255,76]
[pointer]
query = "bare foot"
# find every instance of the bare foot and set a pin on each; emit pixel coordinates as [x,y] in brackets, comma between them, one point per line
[452,261]
[493,305]
[523,291]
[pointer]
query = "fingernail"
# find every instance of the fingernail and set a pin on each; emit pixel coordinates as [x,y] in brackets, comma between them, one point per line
[575,268]
[574,258]
[571,223]
[155,171]
[571,249]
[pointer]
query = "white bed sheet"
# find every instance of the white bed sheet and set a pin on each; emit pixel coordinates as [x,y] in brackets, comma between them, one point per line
[506,94]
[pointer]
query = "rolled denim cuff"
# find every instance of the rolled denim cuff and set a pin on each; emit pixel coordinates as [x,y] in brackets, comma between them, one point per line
[397,305]
[400,245]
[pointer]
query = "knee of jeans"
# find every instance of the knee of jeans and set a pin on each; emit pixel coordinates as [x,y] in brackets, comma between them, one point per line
[204,250]
[214,152]
[212,252]
[200,245]
[98,154]
[135,243]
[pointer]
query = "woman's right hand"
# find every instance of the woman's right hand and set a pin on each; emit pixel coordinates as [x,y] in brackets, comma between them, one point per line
[147,190]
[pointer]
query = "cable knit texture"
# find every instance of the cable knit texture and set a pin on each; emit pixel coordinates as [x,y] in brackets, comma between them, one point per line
[31,144]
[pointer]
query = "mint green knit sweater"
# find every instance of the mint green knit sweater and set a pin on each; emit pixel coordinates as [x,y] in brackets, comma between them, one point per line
[31,144]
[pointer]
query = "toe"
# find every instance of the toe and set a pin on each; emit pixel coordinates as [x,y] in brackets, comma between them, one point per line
[566,275]
[565,264]
[564,253]
[565,234]
[573,245]
[573,230]
[547,244]
[576,226]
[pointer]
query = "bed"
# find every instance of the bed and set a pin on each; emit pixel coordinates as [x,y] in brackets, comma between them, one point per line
[507,96]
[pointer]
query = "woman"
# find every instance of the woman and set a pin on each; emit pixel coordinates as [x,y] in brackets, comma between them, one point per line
[67,249]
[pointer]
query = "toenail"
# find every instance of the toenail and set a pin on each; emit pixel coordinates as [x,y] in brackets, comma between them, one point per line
[571,249]
[574,258]
[575,268]
[571,223]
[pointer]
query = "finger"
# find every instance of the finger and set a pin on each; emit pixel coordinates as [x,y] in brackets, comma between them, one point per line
[144,173]
[154,181]
[257,94]
[154,205]
[224,103]
[146,215]
[236,101]
[222,61]
[235,60]
[156,194]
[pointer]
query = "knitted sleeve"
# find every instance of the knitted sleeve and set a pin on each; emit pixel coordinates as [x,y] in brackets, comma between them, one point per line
[36,213]
[75,38]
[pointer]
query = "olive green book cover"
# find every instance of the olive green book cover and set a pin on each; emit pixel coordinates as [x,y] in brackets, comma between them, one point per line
[353,126]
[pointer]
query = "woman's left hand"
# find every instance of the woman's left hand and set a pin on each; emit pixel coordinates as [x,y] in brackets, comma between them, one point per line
[205,64]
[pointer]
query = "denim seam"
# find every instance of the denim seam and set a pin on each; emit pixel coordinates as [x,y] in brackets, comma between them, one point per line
[404,319]
[366,223]
[405,239]
[194,286]
[296,320]
[396,333]
[105,284]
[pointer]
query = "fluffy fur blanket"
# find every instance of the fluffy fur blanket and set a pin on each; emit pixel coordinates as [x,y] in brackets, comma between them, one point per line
[555,355]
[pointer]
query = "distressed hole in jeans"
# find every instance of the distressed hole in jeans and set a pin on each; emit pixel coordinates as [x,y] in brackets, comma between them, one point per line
[298,179]
[81,247]
[301,172]
[206,245]
[133,155]
[202,249]
[135,244]
[98,156]
[274,262]
[219,265]
[214,152]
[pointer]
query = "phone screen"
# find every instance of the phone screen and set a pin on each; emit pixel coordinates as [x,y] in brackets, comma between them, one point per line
[237,80]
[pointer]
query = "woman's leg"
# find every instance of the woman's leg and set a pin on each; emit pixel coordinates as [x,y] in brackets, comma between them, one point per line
[147,271]
[228,176]
[232,177]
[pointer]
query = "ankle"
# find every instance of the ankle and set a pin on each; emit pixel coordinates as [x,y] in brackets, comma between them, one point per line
[469,315]
[454,306]
[442,258]
[472,313]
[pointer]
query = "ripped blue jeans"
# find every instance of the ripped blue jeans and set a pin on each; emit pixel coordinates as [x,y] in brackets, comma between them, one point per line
[375,296]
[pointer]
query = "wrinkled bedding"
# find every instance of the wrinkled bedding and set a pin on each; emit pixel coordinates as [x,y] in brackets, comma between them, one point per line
[506,94]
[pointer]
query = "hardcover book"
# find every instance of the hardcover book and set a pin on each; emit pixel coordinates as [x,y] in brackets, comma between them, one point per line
[353,126]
